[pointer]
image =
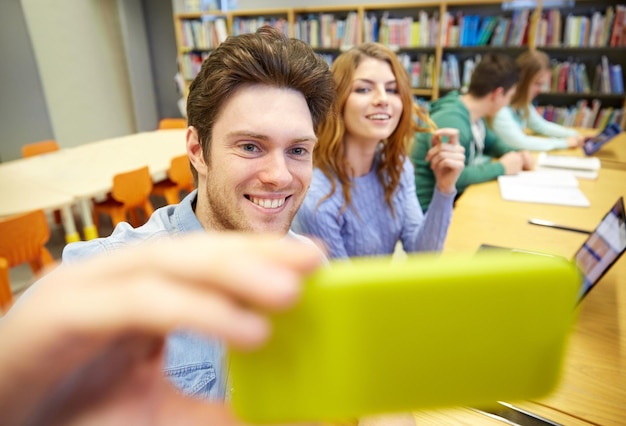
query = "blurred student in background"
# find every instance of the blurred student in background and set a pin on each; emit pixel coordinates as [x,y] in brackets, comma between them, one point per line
[491,87]
[512,121]
[362,199]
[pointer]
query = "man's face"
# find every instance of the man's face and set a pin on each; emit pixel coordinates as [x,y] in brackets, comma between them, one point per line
[260,164]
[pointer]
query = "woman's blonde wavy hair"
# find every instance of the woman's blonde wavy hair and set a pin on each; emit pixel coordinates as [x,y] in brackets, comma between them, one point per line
[530,64]
[329,154]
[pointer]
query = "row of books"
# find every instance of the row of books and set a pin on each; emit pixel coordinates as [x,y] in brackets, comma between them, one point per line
[402,32]
[450,73]
[205,33]
[250,25]
[420,71]
[585,113]
[191,63]
[197,6]
[597,30]
[569,77]
[325,30]
[608,78]
[474,30]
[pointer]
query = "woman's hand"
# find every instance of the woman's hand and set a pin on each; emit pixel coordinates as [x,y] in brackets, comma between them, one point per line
[447,159]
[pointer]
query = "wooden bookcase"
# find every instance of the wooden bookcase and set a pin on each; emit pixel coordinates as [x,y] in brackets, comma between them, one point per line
[429,51]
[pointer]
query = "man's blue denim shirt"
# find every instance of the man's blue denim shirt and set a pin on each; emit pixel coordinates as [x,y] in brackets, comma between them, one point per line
[193,362]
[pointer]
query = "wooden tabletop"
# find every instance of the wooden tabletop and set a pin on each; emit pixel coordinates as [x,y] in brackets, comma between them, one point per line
[593,388]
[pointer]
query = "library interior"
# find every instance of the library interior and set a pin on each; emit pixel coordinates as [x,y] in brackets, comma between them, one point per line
[96,140]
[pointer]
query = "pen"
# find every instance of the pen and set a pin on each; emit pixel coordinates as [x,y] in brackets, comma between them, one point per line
[541,222]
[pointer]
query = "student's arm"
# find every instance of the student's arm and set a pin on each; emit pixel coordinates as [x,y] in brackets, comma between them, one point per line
[541,126]
[507,128]
[85,344]
[419,232]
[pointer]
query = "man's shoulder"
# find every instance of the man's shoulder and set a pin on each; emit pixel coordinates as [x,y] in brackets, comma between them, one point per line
[162,223]
[123,235]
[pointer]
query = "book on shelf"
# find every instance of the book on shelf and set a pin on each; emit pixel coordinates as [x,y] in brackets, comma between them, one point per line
[617,79]
[550,29]
[617,32]
[589,114]
[501,31]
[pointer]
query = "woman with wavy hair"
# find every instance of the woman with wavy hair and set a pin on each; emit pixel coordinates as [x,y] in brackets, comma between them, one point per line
[362,199]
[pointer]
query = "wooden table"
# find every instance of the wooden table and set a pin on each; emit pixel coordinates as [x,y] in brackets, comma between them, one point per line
[76,175]
[19,194]
[593,388]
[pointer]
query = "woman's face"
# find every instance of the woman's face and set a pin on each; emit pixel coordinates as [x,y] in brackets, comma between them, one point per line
[374,107]
[539,83]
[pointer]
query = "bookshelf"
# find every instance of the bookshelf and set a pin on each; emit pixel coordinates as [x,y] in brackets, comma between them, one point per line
[437,41]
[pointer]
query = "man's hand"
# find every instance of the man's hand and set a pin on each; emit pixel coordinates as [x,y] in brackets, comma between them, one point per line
[85,344]
[447,159]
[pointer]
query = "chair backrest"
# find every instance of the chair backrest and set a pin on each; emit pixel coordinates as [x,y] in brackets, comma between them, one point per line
[180,172]
[23,238]
[172,123]
[6,295]
[36,148]
[132,188]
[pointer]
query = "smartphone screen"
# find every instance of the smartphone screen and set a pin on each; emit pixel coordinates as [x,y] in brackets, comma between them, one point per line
[593,144]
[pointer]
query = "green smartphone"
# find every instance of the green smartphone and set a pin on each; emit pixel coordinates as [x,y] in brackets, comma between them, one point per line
[376,335]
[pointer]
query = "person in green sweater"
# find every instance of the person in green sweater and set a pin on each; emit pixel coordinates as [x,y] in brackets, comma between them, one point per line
[491,87]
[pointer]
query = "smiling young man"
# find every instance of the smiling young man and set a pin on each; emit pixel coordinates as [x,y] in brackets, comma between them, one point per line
[253,112]
[491,87]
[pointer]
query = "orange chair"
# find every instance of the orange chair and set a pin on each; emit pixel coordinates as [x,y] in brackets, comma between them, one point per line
[172,123]
[23,239]
[36,148]
[179,178]
[6,295]
[130,193]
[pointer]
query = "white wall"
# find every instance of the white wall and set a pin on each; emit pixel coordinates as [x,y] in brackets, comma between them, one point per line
[80,55]
[23,114]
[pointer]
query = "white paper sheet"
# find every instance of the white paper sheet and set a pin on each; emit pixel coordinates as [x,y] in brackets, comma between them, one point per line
[545,187]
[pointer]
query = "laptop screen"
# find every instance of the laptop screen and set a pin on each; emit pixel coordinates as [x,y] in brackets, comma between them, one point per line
[603,247]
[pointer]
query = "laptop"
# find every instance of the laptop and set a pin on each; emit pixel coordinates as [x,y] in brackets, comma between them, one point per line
[605,244]
[380,335]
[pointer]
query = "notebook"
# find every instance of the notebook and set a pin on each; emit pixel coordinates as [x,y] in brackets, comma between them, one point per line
[605,244]
[373,335]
